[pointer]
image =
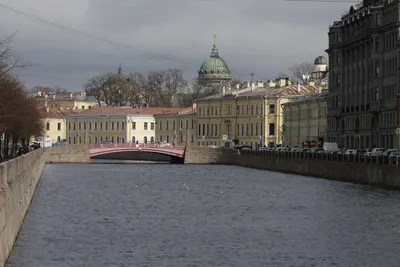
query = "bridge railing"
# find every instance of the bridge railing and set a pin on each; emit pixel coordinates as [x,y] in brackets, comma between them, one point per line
[374,159]
[136,146]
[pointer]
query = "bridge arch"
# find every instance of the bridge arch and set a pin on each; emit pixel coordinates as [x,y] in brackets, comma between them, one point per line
[137,151]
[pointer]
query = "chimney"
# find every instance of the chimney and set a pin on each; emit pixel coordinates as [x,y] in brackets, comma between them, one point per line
[298,87]
[238,86]
[194,106]
[54,96]
[70,95]
[253,86]
[271,83]
[311,83]
[45,95]
[39,93]
[223,89]
[47,109]
[45,103]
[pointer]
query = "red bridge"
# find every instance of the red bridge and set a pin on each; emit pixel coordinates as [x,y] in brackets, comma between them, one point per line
[171,150]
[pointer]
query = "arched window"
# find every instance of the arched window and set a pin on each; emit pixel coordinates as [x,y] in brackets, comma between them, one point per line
[133,139]
[145,139]
[58,138]
[152,140]
[122,139]
[167,139]
[117,139]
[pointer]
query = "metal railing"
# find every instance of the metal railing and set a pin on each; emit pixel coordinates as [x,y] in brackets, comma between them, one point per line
[136,146]
[383,160]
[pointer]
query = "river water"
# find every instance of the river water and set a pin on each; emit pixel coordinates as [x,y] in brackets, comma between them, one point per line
[157,215]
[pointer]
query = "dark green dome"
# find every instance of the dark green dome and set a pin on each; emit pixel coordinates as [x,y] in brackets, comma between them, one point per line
[214,69]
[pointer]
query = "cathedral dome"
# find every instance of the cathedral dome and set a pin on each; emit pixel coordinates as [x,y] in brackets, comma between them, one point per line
[214,69]
[320,61]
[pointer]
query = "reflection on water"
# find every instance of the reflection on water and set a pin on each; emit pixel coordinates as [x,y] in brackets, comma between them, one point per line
[156,215]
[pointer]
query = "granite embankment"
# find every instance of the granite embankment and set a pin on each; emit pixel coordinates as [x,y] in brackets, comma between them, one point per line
[363,173]
[18,180]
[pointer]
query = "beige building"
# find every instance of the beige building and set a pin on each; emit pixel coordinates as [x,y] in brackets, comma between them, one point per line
[177,128]
[305,121]
[54,121]
[251,115]
[114,124]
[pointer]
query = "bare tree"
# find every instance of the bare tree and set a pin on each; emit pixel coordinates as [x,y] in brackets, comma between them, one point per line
[174,84]
[298,70]
[9,63]
[20,119]
[199,91]
[95,87]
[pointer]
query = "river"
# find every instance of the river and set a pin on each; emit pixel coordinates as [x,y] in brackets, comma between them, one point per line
[119,215]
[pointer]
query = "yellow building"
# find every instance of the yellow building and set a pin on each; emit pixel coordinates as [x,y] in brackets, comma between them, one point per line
[54,121]
[251,115]
[66,102]
[177,128]
[305,121]
[114,124]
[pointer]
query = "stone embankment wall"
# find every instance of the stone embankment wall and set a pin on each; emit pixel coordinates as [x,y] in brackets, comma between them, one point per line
[18,180]
[364,173]
[68,154]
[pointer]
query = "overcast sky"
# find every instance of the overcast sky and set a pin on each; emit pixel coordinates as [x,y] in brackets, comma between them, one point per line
[264,36]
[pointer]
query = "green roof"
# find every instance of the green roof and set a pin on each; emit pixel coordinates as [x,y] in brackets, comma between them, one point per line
[214,64]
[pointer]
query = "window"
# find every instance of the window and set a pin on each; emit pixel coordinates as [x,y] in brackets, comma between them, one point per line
[59,126]
[112,126]
[48,126]
[117,128]
[192,124]
[152,127]
[80,126]
[133,125]
[84,126]
[173,125]
[69,127]
[160,125]
[377,69]
[123,125]
[58,138]
[133,139]
[167,125]
[90,126]
[272,109]
[152,140]
[106,126]
[378,20]
[160,138]
[83,107]
[378,44]
[271,129]
[145,128]
[187,124]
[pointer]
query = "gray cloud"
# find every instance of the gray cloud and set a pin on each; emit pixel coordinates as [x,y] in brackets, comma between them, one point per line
[265,38]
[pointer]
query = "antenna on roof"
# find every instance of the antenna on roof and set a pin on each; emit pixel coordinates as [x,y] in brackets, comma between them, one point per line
[252,76]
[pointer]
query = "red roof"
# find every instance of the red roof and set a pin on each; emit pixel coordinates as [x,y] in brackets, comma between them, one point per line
[128,111]
[53,113]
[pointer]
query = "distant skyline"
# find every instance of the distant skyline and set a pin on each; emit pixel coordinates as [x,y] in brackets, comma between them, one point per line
[264,37]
